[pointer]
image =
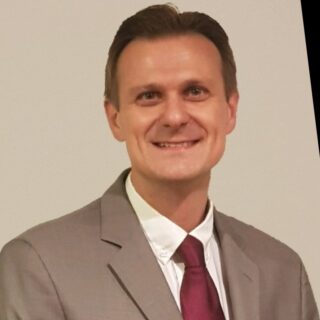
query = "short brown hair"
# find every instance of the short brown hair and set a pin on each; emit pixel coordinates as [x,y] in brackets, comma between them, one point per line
[162,20]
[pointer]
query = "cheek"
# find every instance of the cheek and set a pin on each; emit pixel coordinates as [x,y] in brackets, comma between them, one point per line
[142,123]
[214,121]
[128,124]
[134,130]
[221,120]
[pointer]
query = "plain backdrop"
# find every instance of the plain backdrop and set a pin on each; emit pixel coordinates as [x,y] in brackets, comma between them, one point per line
[57,153]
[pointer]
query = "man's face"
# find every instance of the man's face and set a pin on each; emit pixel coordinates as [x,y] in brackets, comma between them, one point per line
[173,113]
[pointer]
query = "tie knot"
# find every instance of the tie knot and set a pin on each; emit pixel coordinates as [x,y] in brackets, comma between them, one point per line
[191,252]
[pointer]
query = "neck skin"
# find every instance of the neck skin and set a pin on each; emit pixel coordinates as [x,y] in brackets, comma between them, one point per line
[183,202]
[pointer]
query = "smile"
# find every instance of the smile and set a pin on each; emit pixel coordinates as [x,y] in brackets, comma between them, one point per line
[182,144]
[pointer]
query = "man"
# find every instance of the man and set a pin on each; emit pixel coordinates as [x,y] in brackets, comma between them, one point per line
[153,246]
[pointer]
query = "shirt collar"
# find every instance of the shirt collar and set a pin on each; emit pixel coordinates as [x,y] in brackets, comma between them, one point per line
[164,235]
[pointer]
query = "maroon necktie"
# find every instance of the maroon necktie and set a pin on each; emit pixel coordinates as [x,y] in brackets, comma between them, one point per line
[198,295]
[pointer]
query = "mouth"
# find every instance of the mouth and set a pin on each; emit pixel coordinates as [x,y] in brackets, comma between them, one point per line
[176,144]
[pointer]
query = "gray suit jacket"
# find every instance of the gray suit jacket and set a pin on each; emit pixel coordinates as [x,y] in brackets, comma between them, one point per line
[96,264]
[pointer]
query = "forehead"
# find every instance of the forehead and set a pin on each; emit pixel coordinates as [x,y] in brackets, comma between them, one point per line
[168,58]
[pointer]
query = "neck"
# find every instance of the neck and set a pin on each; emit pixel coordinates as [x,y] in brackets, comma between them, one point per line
[183,202]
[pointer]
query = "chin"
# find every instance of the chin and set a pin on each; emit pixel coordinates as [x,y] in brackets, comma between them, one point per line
[181,174]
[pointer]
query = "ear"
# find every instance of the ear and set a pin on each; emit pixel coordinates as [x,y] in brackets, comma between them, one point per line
[113,116]
[232,111]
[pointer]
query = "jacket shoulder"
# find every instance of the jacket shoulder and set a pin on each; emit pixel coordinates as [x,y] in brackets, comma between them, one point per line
[256,243]
[69,229]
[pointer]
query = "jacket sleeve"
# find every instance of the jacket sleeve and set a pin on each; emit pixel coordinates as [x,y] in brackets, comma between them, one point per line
[309,308]
[26,290]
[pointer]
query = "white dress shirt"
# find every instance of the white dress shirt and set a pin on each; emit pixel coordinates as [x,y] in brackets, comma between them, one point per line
[164,237]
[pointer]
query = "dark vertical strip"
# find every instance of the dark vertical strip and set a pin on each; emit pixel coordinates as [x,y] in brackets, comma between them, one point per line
[126,291]
[312,34]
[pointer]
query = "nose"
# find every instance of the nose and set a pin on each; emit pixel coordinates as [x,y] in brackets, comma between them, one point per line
[174,113]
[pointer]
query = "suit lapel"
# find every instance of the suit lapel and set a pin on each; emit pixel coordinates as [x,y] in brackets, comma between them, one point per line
[241,274]
[134,265]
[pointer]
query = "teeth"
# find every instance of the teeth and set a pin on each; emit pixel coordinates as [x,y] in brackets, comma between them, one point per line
[175,144]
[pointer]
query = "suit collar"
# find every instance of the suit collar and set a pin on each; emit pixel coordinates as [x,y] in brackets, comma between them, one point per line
[134,265]
[117,214]
[241,274]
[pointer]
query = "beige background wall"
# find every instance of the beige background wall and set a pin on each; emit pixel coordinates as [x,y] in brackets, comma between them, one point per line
[57,153]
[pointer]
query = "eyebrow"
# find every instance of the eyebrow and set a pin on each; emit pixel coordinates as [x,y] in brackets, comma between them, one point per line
[192,82]
[146,87]
[156,86]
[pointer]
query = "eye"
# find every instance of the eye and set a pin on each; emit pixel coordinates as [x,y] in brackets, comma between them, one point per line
[148,97]
[196,93]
